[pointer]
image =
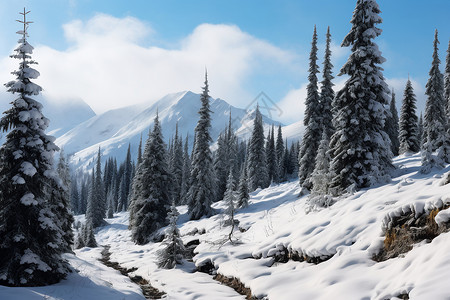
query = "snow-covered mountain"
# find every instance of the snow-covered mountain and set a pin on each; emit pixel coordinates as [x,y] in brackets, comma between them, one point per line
[63,116]
[113,130]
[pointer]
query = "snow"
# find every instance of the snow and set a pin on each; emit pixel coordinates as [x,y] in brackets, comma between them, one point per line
[348,233]
[28,199]
[114,129]
[32,258]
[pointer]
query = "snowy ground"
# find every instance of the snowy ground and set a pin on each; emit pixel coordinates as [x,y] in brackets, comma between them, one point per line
[350,231]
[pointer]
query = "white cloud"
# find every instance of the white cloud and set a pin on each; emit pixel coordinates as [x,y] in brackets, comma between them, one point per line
[107,66]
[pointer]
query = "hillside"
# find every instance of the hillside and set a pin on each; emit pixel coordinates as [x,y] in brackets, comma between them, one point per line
[338,244]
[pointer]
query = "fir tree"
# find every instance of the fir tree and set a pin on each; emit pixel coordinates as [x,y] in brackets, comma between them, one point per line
[420,131]
[151,192]
[75,203]
[173,251]
[256,167]
[203,180]
[96,209]
[312,120]
[230,198]
[185,182]
[447,80]
[139,157]
[176,166]
[326,91]
[89,237]
[435,120]
[360,146]
[31,236]
[271,157]
[391,126]
[321,175]
[242,192]
[408,129]
[221,164]
[280,155]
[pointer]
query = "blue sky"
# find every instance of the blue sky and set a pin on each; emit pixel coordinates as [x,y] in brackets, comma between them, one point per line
[261,46]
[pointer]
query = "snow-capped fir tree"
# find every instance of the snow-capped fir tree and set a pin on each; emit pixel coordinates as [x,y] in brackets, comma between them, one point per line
[122,193]
[79,240]
[293,158]
[321,175]
[127,176]
[89,238]
[279,150]
[75,204]
[420,135]
[447,80]
[271,156]
[176,166]
[151,193]
[96,207]
[326,91]
[312,120]
[59,198]
[203,180]
[391,125]
[185,181]
[429,161]
[230,198]
[221,165]
[435,120]
[31,239]
[408,129]
[256,163]
[361,154]
[139,156]
[110,202]
[242,190]
[287,161]
[173,251]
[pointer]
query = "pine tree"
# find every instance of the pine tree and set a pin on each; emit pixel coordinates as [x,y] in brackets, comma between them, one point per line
[185,182]
[230,198]
[151,192]
[312,120]
[435,120]
[89,237]
[139,157]
[203,180]
[271,156]
[391,125]
[326,91]
[75,203]
[256,167]
[176,166]
[31,238]
[242,192]
[447,80]
[173,251]
[429,161]
[280,155]
[408,129]
[360,146]
[420,131]
[321,175]
[221,165]
[96,208]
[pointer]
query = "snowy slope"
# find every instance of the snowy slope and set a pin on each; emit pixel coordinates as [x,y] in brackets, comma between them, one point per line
[115,129]
[349,231]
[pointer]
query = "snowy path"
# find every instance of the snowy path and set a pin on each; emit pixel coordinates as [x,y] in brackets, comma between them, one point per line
[180,283]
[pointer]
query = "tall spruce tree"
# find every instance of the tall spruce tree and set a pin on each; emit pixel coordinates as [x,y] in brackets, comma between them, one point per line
[242,191]
[176,166]
[360,146]
[408,129]
[391,125]
[312,120]
[435,120]
[203,180]
[326,91]
[96,208]
[447,80]
[256,164]
[151,192]
[31,236]
[185,182]
[271,156]
[321,175]
[420,134]
[280,156]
